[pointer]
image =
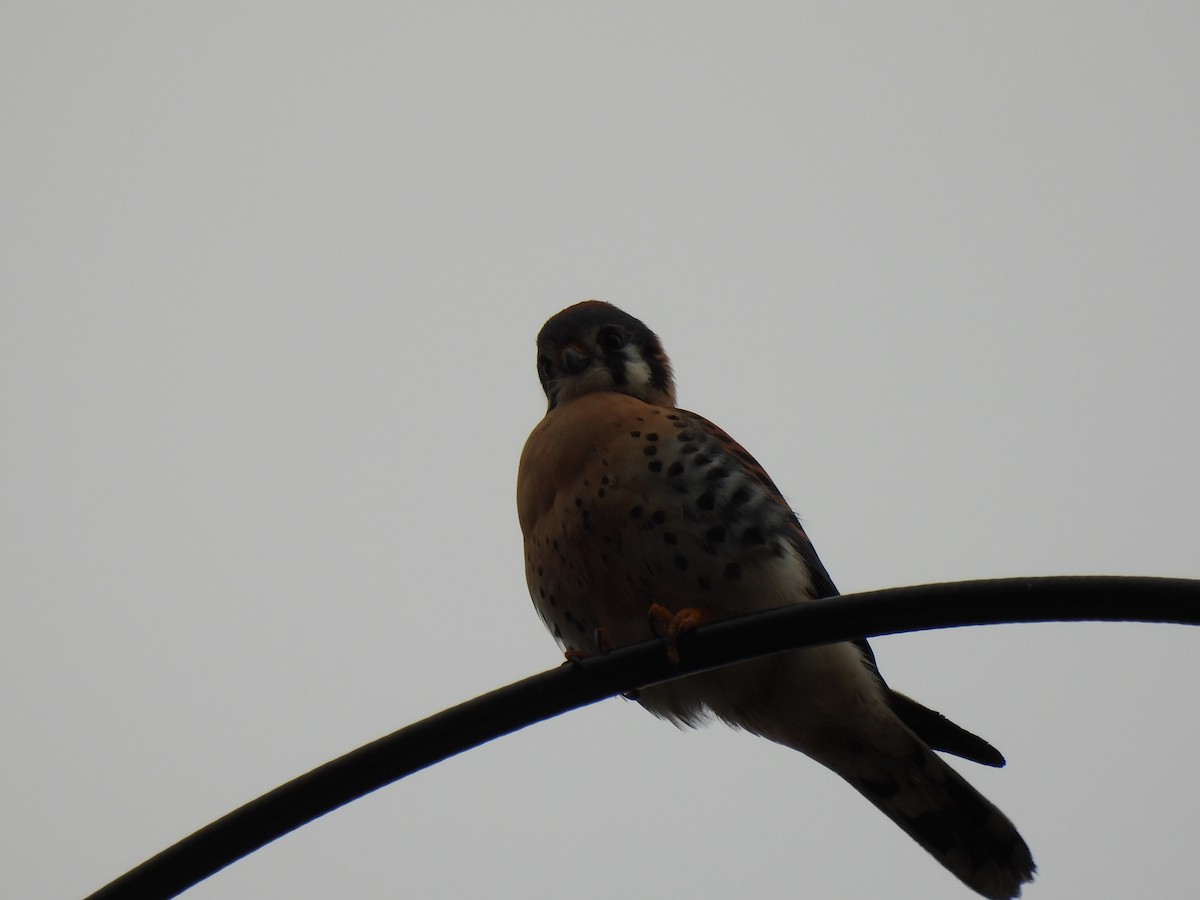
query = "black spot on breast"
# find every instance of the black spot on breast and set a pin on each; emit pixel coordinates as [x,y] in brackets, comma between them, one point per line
[652,436]
[740,496]
[578,502]
[635,433]
[717,474]
[707,500]
[688,449]
[752,537]
[635,513]
[600,492]
[669,538]
[681,563]
[604,480]
[686,435]
[658,517]
[650,450]
[655,465]
[715,535]
[702,460]
[675,469]
[733,571]
[703,583]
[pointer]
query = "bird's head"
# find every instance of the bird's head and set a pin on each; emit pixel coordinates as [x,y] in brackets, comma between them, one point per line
[593,346]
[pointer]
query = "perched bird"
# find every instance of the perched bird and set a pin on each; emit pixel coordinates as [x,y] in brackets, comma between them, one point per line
[638,514]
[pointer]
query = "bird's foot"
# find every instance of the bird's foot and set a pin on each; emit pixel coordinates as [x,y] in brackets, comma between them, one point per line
[603,645]
[671,626]
[574,654]
[602,642]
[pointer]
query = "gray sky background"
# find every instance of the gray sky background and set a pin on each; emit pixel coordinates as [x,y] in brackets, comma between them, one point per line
[272,276]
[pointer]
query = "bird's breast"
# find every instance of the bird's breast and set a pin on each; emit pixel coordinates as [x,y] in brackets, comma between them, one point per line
[624,504]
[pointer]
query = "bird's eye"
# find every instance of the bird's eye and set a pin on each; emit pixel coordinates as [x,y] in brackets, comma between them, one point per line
[545,372]
[611,339]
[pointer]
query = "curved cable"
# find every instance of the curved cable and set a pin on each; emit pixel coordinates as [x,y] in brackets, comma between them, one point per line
[539,697]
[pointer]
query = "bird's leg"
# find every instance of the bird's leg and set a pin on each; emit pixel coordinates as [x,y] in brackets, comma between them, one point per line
[670,626]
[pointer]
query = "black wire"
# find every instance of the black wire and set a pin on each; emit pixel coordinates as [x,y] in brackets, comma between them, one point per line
[586,681]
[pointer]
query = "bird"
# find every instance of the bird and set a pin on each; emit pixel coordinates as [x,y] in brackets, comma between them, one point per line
[640,518]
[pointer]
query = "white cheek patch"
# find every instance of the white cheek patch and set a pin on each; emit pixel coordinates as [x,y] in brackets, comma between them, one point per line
[637,371]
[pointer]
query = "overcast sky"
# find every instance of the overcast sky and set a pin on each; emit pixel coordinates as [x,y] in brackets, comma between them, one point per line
[271,278]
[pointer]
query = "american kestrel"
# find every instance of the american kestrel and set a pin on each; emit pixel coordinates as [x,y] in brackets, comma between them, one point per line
[639,516]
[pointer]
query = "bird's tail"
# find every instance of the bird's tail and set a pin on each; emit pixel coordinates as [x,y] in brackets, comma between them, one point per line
[876,746]
[936,806]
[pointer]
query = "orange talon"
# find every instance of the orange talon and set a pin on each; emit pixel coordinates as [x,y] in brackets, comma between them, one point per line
[602,642]
[671,626]
[574,654]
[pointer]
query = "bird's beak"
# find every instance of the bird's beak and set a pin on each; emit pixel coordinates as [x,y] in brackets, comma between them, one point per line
[575,362]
